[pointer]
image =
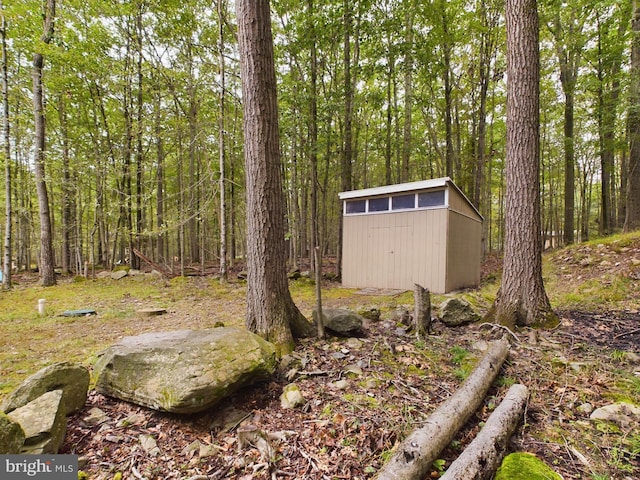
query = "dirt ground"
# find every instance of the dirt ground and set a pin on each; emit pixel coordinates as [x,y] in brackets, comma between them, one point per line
[347,429]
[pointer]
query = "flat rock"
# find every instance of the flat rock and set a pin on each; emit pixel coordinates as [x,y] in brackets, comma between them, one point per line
[184,371]
[151,312]
[11,435]
[44,423]
[71,378]
[623,414]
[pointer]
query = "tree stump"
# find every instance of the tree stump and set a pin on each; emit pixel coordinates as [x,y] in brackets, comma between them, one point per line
[422,310]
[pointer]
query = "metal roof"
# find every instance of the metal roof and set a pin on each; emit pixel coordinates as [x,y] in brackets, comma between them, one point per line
[398,188]
[406,187]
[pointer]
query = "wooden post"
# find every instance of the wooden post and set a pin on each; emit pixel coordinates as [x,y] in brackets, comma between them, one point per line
[422,310]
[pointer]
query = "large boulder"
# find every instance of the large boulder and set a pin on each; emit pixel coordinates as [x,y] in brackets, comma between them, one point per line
[457,311]
[340,321]
[184,371]
[71,378]
[44,422]
[11,435]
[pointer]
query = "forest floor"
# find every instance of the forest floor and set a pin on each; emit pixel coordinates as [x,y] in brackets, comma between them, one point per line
[365,394]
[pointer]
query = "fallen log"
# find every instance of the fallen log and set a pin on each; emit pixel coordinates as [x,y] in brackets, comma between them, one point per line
[483,455]
[413,457]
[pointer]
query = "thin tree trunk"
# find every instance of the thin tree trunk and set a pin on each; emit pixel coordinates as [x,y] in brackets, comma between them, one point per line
[47,272]
[632,219]
[6,263]
[222,11]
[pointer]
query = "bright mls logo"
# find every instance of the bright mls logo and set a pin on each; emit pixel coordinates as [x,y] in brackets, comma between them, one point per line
[39,467]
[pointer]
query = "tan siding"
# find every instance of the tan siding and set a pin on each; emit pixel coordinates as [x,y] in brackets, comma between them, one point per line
[395,250]
[464,252]
[458,203]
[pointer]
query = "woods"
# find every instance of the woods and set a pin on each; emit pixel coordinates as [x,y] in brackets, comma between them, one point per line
[144,146]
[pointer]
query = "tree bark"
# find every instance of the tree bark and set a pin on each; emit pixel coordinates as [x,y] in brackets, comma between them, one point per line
[422,310]
[522,299]
[483,455]
[271,312]
[47,272]
[413,457]
[222,11]
[6,263]
[632,219]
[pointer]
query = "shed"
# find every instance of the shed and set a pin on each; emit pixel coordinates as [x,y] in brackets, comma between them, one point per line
[425,232]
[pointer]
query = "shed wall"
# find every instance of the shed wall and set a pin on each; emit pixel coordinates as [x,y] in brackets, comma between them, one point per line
[396,250]
[463,252]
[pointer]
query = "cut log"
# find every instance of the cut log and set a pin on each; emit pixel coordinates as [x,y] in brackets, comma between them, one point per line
[422,310]
[483,455]
[413,457]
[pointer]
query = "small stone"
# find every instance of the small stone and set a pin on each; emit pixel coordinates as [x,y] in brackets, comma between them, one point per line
[96,417]
[134,419]
[355,369]
[206,450]
[339,385]
[354,343]
[291,397]
[149,445]
[585,408]
[119,274]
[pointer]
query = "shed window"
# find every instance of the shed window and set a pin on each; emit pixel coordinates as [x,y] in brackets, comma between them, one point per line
[356,206]
[379,204]
[431,199]
[403,202]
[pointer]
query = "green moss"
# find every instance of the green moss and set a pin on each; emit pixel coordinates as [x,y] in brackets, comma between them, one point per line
[525,466]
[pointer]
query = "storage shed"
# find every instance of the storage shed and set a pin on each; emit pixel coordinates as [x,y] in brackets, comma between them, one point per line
[425,232]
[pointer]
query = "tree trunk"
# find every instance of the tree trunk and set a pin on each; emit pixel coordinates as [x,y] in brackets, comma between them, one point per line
[483,455]
[522,299]
[408,93]
[413,457]
[347,154]
[222,12]
[632,219]
[6,262]
[271,312]
[47,272]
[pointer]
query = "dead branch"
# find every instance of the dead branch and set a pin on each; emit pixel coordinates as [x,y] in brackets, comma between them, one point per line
[482,456]
[413,457]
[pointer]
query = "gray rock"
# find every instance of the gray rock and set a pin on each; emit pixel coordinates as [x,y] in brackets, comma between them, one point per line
[44,422]
[456,311]
[118,274]
[623,414]
[71,378]
[291,397]
[11,436]
[340,321]
[185,371]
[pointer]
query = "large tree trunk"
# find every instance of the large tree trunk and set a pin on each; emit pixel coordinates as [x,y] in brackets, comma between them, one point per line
[47,272]
[6,263]
[483,455]
[522,299]
[632,221]
[413,457]
[271,312]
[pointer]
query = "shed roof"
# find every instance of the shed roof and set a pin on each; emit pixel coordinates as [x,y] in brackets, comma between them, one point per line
[406,187]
